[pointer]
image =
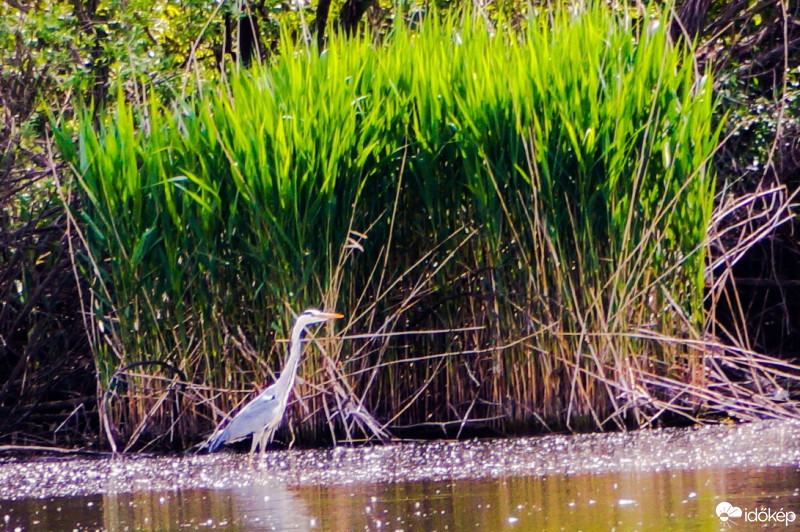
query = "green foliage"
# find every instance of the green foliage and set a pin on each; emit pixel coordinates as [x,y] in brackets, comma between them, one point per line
[574,152]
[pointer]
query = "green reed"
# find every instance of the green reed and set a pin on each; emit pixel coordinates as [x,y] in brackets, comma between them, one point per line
[549,185]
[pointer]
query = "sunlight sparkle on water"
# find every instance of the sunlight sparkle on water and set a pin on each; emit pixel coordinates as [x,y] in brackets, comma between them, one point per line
[551,483]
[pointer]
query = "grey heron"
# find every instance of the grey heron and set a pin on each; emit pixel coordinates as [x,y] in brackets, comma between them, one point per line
[262,416]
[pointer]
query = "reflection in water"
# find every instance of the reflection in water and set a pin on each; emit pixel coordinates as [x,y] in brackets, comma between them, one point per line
[650,501]
[251,508]
[666,500]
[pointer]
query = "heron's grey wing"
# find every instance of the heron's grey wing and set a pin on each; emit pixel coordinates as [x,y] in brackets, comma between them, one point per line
[252,418]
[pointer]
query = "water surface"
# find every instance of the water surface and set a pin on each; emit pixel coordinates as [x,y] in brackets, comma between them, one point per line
[647,480]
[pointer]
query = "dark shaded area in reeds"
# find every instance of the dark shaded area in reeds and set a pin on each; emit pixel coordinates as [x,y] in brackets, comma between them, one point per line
[574,313]
[753,46]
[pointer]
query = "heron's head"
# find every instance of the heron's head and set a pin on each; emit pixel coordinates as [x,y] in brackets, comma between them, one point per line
[312,316]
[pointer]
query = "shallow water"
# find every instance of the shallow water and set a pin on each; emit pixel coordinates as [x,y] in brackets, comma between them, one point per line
[647,480]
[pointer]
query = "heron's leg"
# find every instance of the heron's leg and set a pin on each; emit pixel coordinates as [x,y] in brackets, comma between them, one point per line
[253,447]
[291,431]
[265,439]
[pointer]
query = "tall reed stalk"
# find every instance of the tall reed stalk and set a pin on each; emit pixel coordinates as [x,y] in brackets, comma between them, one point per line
[547,189]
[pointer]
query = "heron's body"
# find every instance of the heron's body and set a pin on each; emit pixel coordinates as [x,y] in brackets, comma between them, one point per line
[252,418]
[262,416]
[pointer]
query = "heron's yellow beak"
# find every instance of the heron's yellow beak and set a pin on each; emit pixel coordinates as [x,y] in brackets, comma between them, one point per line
[332,315]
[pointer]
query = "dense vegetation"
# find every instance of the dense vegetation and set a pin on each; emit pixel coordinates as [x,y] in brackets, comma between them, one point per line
[533,198]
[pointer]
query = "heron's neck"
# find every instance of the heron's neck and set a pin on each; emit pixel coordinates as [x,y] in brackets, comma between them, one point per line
[295,350]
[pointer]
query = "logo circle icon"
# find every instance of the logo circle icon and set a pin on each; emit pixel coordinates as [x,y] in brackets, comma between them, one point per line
[726,510]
